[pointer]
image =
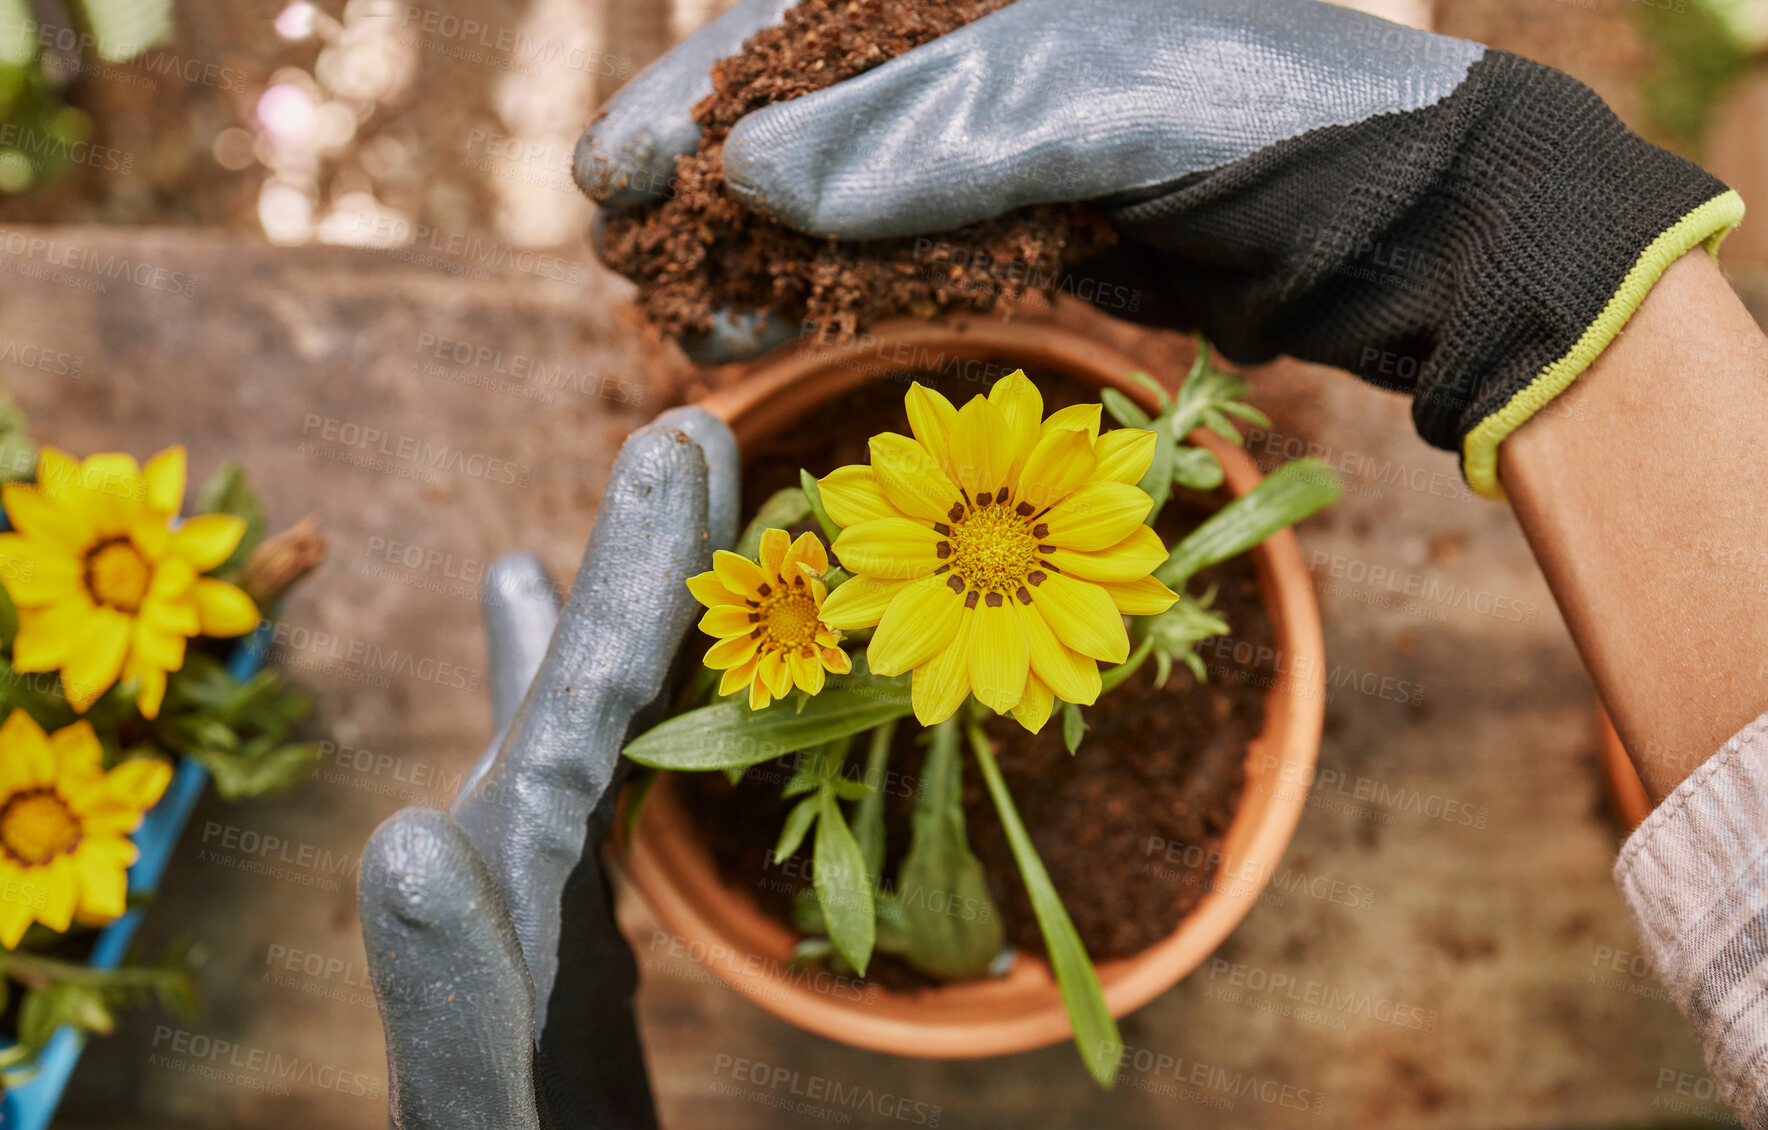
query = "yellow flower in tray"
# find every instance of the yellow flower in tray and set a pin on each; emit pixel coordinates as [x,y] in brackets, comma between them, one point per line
[996,551]
[767,619]
[65,824]
[106,586]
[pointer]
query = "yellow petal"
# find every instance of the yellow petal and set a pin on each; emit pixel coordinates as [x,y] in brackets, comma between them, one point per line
[807,672]
[911,478]
[859,603]
[152,693]
[852,495]
[739,574]
[1124,455]
[103,887]
[165,480]
[942,684]
[738,676]
[139,782]
[1096,516]
[774,544]
[1060,464]
[711,591]
[172,616]
[172,578]
[917,626]
[931,418]
[96,660]
[36,573]
[222,609]
[1022,406]
[57,471]
[1034,709]
[759,695]
[1083,617]
[15,919]
[1083,416]
[837,661]
[982,449]
[41,518]
[1070,676]
[732,652]
[28,759]
[47,636]
[1000,657]
[729,620]
[77,749]
[773,671]
[892,549]
[1130,559]
[207,539]
[151,534]
[807,551]
[1144,597]
[61,881]
[109,490]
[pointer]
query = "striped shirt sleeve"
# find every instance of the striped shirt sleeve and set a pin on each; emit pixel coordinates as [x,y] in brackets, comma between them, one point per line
[1695,877]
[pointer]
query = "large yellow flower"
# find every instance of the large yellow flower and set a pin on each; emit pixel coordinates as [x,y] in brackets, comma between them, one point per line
[997,551]
[766,618]
[64,826]
[105,586]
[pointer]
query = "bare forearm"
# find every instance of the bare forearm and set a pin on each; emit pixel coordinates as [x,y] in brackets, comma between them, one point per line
[1643,490]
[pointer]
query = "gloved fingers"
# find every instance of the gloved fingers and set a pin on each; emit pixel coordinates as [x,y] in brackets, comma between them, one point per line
[548,799]
[724,469]
[627,155]
[455,999]
[1046,101]
[737,336]
[519,604]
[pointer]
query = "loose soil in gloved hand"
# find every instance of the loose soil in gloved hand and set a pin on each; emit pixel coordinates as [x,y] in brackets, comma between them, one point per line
[700,250]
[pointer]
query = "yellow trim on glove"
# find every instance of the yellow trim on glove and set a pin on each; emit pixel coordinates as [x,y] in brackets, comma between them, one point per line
[1708,224]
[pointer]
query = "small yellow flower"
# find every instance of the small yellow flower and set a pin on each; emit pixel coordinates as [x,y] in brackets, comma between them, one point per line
[105,586]
[766,618]
[64,825]
[997,552]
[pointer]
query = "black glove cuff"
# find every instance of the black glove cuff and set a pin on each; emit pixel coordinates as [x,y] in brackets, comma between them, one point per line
[1478,253]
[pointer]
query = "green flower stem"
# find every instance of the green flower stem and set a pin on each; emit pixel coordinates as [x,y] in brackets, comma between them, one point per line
[1114,678]
[1095,1031]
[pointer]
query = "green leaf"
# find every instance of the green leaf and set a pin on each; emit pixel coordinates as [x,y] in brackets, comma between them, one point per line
[813,495]
[868,816]
[843,885]
[1175,633]
[798,822]
[253,773]
[950,926]
[8,619]
[1095,1031]
[1074,727]
[1124,410]
[783,510]
[18,455]
[1286,496]
[728,735]
[229,491]
[1196,468]
[1157,480]
[1160,395]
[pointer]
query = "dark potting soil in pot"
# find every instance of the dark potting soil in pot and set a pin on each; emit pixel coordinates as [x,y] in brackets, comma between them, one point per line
[699,250]
[1126,828]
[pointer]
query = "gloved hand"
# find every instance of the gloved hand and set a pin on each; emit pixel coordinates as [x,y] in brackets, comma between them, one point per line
[1289,176]
[505,989]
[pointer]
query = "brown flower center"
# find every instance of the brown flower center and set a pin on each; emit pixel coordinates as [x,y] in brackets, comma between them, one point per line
[36,826]
[789,618]
[117,575]
[992,549]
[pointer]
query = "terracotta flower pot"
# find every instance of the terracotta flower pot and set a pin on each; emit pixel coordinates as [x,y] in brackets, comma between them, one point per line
[672,870]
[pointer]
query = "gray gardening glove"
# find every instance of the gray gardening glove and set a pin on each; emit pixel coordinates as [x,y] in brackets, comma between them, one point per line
[1288,176]
[505,989]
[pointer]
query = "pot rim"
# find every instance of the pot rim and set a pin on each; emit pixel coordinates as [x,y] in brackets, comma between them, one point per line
[725,929]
